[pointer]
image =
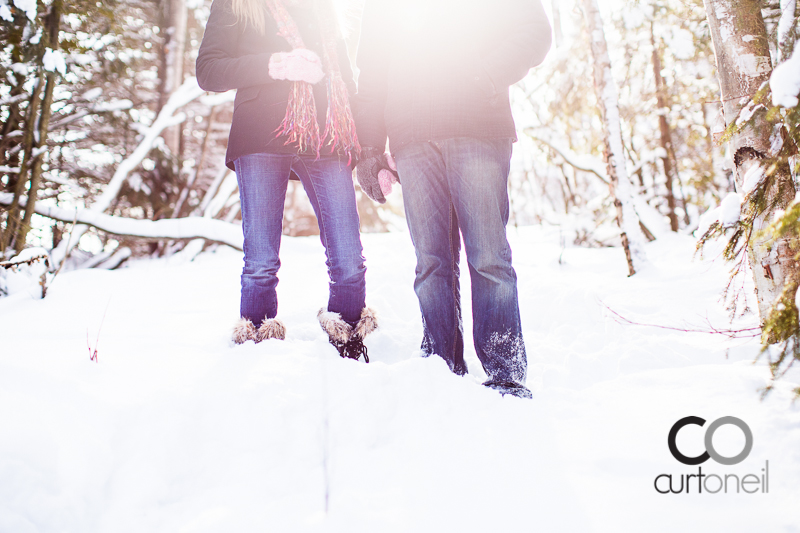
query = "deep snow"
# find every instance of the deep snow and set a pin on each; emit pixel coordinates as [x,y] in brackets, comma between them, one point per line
[174,429]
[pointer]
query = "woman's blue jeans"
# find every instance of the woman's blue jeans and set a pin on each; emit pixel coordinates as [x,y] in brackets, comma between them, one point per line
[328,182]
[452,188]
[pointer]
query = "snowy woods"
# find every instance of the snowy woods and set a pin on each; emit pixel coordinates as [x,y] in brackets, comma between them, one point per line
[632,129]
[654,227]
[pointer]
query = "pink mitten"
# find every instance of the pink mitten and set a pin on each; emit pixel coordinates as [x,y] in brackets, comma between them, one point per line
[300,64]
[387,178]
[277,66]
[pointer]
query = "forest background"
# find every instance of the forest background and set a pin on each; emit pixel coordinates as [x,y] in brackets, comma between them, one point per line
[109,150]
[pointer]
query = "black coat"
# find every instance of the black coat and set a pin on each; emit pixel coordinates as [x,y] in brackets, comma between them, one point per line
[235,55]
[439,69]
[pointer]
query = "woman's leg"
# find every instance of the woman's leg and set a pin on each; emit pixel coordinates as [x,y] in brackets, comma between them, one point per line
[328,181]
[262,190]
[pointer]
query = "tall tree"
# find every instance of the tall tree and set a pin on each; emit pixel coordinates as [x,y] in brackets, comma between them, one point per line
[666,133]
[36,51]
[743,66]
[52,26]
[619,183]
[175,16]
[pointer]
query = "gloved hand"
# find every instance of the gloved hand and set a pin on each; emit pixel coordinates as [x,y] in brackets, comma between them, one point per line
[376,173]
[388,176]
[300,64]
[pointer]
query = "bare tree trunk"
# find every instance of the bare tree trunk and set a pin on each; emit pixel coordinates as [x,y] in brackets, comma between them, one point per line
[569,197]
[10,123]
[619,183]
[52,26]
[28,142]
[557,33]
[743,65]
[176,16]
[666,134]
[36,167]
[198,166]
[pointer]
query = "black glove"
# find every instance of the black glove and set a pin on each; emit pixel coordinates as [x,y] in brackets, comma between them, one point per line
[372,162]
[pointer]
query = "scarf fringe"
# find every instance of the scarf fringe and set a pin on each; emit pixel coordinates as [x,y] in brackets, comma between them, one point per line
[339,124]
[300,124]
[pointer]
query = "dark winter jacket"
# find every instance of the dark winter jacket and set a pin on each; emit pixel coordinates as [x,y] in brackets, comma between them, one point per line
[235,55]
[438,69]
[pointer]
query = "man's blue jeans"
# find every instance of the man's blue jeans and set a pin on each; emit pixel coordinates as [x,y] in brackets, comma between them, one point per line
[461,184]
[328,182]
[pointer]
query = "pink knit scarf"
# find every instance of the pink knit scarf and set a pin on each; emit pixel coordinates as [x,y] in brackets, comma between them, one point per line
[300,122]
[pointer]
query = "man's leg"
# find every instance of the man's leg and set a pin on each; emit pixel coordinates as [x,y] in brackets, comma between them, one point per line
[433,225]
[477,172]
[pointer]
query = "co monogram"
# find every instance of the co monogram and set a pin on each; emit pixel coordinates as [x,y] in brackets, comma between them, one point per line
[709,444]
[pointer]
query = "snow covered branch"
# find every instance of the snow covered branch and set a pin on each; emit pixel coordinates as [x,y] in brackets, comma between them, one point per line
[785,27]
[785,81]
[649,217]
[169,116]
[172,228]
[585,163]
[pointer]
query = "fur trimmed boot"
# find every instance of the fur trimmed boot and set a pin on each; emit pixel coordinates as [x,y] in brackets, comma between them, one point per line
[337,329]
[348,340]
[367,323]
[243,331]
[271,328]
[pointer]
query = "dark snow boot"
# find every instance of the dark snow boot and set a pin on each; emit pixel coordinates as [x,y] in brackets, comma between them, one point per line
[352,349]
[509,387]
[348,340]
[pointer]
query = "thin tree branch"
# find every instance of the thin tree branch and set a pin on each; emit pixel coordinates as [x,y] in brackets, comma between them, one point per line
[741,333]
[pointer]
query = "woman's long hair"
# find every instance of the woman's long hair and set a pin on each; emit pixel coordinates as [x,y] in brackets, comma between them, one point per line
[251,12]
[254,12]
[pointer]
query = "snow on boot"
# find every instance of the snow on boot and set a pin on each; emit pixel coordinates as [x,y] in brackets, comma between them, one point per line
[337,329]
[509,387]
[271,328]
[243,331]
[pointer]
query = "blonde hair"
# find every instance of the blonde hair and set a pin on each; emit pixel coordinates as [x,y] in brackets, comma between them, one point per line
[251,12]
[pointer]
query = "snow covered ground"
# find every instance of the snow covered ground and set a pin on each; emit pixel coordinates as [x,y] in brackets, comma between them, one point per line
[174,429]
